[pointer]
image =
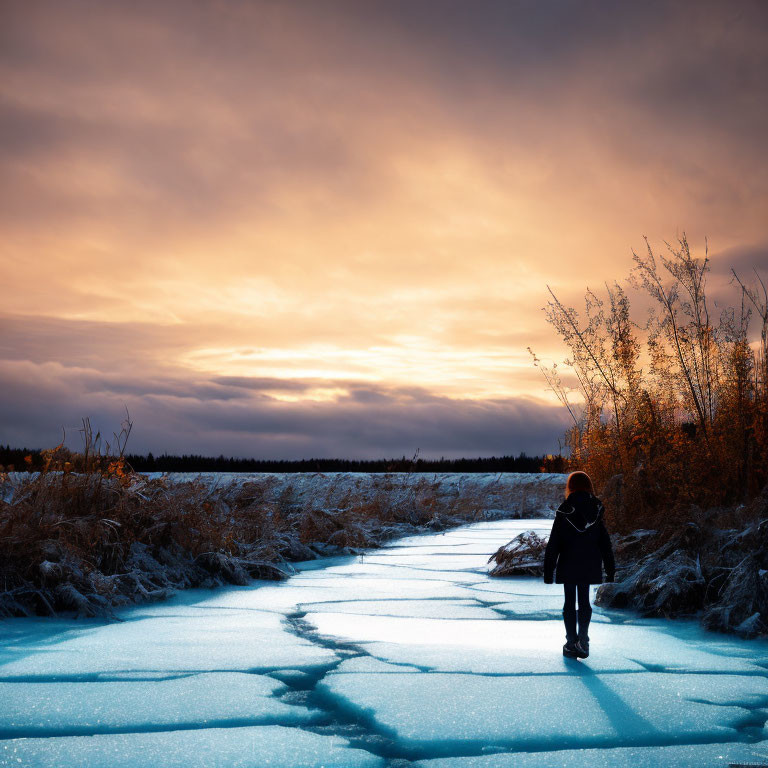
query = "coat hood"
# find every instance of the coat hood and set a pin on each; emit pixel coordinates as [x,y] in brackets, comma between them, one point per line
[581,509]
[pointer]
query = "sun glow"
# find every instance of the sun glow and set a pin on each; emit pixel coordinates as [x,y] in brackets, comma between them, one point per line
[406,363]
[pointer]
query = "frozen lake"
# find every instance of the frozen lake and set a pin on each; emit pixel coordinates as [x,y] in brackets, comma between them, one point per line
[409,655]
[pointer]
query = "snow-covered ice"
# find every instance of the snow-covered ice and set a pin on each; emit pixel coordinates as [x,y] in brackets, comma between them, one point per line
[275,746]
[214,698]
[190,640]
[441,712]
[683,756]
[410,653]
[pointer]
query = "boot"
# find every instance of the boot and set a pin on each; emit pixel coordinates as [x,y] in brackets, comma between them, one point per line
[582,642]
[571,649]
[569,619]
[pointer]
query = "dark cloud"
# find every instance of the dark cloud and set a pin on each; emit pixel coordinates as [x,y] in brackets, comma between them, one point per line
[67,369]
[265,383]
[745,260]
[201,417]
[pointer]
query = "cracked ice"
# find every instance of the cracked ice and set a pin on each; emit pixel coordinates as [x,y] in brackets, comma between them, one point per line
[406,655]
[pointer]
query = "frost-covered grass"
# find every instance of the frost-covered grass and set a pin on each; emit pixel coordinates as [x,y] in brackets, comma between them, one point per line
[523,556]
[90,541]
[715,566]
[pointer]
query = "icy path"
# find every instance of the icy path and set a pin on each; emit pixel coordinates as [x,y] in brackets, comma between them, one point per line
[408,656]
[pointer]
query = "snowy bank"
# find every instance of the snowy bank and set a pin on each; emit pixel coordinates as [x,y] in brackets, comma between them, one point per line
[706,568]
[90,542]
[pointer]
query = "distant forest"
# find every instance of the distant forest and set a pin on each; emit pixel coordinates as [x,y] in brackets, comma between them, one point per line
[21,459]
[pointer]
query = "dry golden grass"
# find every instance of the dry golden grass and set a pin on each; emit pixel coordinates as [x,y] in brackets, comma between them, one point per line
[88,533]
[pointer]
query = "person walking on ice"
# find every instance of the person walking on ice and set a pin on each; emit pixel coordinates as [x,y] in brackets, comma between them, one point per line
[578,549]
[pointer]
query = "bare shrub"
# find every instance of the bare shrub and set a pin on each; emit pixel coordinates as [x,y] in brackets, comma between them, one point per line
[676,405]
[523,556]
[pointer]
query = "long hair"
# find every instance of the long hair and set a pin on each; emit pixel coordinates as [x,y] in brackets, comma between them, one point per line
[578,481]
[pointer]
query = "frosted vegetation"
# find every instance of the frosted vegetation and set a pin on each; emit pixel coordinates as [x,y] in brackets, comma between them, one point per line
[670,420]
[670,410]
[405,655]
[89,534]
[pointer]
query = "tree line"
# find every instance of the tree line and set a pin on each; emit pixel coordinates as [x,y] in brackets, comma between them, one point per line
[23,459]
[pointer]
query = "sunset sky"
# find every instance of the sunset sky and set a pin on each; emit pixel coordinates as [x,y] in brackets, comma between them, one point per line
[323,228]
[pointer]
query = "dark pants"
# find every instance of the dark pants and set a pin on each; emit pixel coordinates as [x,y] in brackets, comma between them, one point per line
[569,612]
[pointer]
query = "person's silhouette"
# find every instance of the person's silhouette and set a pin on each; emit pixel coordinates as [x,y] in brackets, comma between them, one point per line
[577,550]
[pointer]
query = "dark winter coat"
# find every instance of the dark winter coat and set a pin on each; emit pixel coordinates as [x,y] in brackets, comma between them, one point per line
[579,545]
